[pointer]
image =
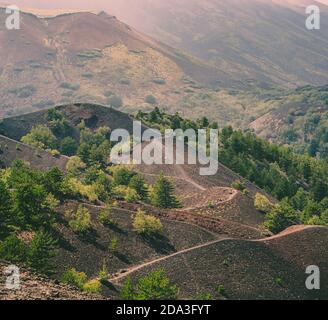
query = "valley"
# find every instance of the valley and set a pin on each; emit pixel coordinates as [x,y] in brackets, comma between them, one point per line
[79,225]
[216,224]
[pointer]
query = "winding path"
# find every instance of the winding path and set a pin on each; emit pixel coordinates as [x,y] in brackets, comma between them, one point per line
[146,264]
[125,273]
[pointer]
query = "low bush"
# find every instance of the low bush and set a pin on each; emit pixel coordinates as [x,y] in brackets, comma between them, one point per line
[80,221]
[146,225]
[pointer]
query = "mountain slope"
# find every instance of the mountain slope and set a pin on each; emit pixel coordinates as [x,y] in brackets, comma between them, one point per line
[37,287]
[90,58]
[232,211]
[257,41]
[273,268]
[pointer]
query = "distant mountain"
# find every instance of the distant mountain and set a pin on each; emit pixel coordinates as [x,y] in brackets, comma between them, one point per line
[91,57]
[257,41]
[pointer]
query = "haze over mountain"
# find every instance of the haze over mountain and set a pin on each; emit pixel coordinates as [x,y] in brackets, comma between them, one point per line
[262,42]
[91,57]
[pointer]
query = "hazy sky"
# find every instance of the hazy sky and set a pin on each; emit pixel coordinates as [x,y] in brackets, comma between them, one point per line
[87,4]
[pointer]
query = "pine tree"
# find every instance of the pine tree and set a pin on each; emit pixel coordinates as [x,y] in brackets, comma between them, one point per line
[41,251]
[138,183]
[163,193]
[5,208]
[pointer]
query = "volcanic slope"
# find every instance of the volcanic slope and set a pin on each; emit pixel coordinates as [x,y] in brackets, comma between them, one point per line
[273,268]
[36,287]
[214,251]
[87,57]
[212,196]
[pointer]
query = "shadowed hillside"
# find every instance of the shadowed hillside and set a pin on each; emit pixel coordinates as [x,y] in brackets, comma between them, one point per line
[213,236]
[270,269]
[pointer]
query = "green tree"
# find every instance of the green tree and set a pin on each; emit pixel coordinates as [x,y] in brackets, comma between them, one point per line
[68,146]
[122,175]
[105,217]
[53,182]
[41,252]
[281,217]
[40,137]
[138,183]
[31,206]
[163,193]
[155,286]
[6,211]
[13,249]
[127,291]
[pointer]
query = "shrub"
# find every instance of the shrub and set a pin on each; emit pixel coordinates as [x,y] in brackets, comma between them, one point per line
[126,193]
[87,75]
[238,185]
[159,81]
[150,99]
[205,297]
[115,102]
[24,92]
[105,217]
[262,203]
[75,165]
[131,195]
[74,278]
[69,86]
[85,191]
[103,273]
[155,286]
[40,137]
[108,93]
[13,249]
[221,290]
[80,280]
[53,115]
[125,81]
[146,224]
[92,286]
[211,205]
[81,220]
[90,54]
